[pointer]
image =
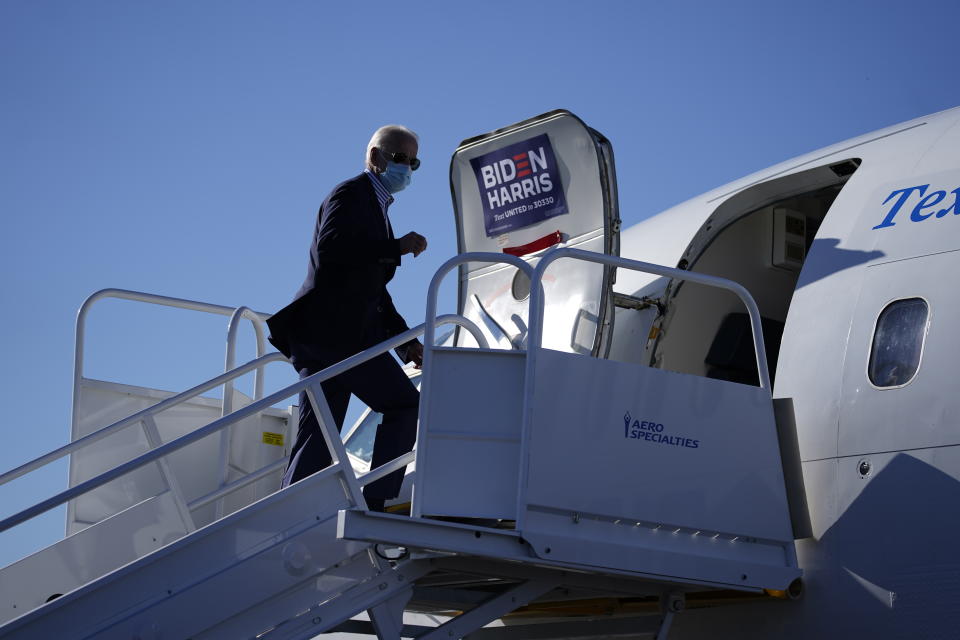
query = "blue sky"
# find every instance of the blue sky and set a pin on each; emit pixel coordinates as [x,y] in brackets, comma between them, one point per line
[183,148]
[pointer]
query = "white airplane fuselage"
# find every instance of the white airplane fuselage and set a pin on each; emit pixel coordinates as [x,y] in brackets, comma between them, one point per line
[861,284]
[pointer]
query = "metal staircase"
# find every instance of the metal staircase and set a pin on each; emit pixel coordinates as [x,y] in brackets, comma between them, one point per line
[543,480]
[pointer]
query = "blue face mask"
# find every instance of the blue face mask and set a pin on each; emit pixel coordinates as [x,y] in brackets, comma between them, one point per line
[397,176]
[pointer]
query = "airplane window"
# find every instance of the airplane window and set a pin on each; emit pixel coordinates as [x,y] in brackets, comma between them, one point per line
[898,342]
[360,441]
[520,288]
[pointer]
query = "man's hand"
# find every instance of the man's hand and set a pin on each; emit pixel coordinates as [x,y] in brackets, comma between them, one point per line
[415,354]
[413,243]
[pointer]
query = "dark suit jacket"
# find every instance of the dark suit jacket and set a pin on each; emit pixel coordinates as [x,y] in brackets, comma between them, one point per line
[343,306]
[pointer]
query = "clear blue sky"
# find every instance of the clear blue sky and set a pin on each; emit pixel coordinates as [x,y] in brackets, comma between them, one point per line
[183,147]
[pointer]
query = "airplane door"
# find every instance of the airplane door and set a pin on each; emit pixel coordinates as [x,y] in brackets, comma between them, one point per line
[541,183]
[901,362]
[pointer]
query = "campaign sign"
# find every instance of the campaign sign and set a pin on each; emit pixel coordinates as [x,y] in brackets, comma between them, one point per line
[519,185]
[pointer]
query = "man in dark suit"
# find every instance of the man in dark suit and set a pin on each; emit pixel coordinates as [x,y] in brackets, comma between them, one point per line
[343,308]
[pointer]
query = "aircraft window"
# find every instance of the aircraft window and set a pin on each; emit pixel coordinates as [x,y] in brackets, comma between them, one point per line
[360,441]
[898,342]
[520,288]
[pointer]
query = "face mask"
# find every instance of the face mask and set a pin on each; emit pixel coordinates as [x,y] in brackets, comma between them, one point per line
[397,176]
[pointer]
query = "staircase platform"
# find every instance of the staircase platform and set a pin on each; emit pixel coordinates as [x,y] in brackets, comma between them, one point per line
[623,483]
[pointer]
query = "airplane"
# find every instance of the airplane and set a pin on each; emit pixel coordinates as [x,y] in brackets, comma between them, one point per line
[846,250]
[734,419]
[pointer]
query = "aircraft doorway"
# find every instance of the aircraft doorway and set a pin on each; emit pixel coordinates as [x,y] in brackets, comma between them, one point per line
[759,238]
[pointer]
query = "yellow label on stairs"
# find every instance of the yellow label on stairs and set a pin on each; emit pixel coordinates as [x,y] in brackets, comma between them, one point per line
[273,438]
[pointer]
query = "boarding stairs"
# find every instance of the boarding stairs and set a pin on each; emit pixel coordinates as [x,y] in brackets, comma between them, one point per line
[551,490]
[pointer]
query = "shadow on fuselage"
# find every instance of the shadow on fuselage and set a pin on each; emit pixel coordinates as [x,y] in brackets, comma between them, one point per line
[825,258]
[888,568]
[898,542]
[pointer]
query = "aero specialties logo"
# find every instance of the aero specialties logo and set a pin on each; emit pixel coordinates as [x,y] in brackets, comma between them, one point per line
[653,431]
[519,185]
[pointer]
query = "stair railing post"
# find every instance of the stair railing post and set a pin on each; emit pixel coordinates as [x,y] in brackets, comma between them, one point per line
[179,498]
[226,436]
[535,333]
[206,430]
[338,453]
[257,319]
[431,320]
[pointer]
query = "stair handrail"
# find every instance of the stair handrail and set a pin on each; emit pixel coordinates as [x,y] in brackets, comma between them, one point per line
[428,340]
[223,463]
[535,334]
[537,295]
[236,315]
[212,427]
[441,273]
[163,405]
[256,318]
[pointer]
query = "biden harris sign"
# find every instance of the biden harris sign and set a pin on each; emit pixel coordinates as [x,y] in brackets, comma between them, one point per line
[519,185]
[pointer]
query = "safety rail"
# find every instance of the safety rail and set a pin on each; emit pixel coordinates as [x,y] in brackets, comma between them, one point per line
[310,384]
[236,315]
[431,310]
[233,326]
[257,319]
[535,322]
[441,273]
[300,535]
[239,483]
[99,434]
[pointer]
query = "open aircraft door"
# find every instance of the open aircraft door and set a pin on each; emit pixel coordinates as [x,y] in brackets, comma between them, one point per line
[545,182]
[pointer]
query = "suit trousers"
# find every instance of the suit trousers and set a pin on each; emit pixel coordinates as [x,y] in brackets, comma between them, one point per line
[381,384]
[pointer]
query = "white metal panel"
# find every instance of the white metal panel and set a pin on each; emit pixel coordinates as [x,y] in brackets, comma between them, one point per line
[623,441]
[100,404]
[89,554]
[501,319]
[254,445]
[673,554]
[579,161]
[924,412]
[266,565]
[572,302]
[472,427]
[195,467]
[577,305]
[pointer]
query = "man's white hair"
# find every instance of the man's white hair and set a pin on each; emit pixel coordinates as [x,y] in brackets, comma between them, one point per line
[384,133]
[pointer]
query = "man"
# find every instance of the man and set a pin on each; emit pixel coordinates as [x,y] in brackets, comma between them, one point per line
[343,308]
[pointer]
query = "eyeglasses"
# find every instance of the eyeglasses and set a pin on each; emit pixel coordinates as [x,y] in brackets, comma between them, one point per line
[401,158]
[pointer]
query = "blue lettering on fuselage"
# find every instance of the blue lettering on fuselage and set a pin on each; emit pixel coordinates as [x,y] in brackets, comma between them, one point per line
[924,204]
